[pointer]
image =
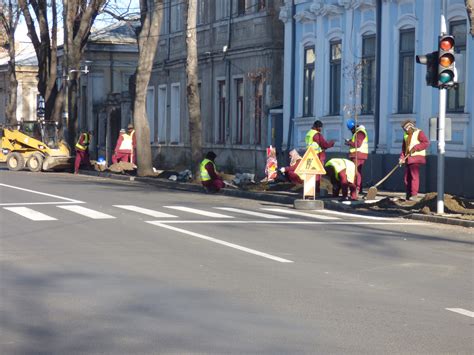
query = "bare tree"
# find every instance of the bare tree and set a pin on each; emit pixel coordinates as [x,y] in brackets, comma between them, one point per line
[192,90]
[9,15]
[470,13]
[44,40]
[150,19]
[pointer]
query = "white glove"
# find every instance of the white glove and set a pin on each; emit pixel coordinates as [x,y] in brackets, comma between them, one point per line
[282,170]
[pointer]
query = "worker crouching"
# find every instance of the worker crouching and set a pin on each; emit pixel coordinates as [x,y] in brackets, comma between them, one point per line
[123,148]
[289,171]
[344,176]
[209,177]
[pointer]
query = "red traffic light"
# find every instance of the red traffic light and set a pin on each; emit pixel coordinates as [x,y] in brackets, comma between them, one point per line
[446,43]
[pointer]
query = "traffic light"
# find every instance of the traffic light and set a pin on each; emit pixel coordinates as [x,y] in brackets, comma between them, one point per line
[446,62]
[431,62]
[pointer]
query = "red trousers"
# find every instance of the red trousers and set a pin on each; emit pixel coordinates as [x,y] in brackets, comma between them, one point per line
[360,164]
[82,157]
[318,179]
[213,185]
[412,179]
[294,178]
[118,157]
[344,185]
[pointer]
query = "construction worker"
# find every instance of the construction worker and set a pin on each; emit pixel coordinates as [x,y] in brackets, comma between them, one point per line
[359,147]
[209,177]
[343,175]
[314,138]
[131,133]
[289,171]
[123,148]
[82,151]
[413,155]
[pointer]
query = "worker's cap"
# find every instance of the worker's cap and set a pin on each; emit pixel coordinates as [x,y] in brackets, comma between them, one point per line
[350,123]
[130,126]
[211,155]
[123,130]
[317,124]
[407,124]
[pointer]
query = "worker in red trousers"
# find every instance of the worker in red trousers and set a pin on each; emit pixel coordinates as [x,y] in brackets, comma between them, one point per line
[209,177]
[82,151]
[343,175]
[314,138]
[413,155]
[358,147]
[123,148]
[289,171]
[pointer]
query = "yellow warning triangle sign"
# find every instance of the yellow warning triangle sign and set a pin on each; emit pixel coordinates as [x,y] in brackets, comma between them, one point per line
[310,164]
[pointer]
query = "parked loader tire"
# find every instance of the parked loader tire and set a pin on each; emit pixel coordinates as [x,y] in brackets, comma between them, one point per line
[35,162]
[15,161]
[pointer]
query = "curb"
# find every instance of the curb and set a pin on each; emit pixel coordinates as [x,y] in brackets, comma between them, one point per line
[268,197]
[440,219]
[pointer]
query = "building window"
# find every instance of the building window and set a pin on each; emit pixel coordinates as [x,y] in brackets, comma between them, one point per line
[240,7]
[406,71]
[176,17]
[456,97]
[221,92]
[162,102]
[201,12]
[335,78]
[368,74]
[222,9]
[261,5]
[258,110]
[308,81]
[175,119]
[239,110]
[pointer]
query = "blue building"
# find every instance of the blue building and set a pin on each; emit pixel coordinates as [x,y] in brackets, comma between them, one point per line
[331,74]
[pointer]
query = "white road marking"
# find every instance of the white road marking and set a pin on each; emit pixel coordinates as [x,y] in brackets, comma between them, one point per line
[87,212]
[40,193]
[354,215]
[352,223]
[146,211]
[251,213]
[200,212]
[462,311]
[38,203]
[30,214]
[222,242]
[301,214]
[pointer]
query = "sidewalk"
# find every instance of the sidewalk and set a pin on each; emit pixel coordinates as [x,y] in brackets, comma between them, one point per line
[285,197]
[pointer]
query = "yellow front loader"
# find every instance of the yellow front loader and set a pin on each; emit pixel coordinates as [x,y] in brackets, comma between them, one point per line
[34,145]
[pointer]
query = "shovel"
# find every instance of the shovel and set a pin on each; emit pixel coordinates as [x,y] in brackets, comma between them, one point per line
[372,193]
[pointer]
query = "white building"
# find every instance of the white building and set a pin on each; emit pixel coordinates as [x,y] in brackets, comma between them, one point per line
[326,39]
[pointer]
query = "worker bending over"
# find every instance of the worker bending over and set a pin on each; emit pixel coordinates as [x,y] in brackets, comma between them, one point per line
[123,148]
[289,171]
[358,147]
[343,175]
[314,138]
[209,177]
[82,151]
[413,155]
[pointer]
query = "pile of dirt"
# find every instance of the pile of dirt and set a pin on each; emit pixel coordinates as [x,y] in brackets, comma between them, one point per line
[122,167]
[428,205]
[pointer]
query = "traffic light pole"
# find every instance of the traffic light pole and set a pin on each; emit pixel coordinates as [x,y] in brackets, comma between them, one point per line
[441,127]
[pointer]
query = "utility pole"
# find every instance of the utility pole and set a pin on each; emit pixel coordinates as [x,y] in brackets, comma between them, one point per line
[65,115]
[441,126]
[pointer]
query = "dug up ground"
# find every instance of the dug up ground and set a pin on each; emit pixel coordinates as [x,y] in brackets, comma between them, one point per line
[387,202]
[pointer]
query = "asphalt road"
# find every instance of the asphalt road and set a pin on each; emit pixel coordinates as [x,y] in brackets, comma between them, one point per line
[89,266]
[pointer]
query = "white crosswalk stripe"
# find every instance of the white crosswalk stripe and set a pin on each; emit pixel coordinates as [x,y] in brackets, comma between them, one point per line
[251,213]
[86,212]
[146,211]
[199,212]
[30,214]
[301,214]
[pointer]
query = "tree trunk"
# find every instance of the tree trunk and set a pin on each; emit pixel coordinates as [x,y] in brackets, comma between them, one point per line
[470,14]
[9,23]
[147,43]
[192,90]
